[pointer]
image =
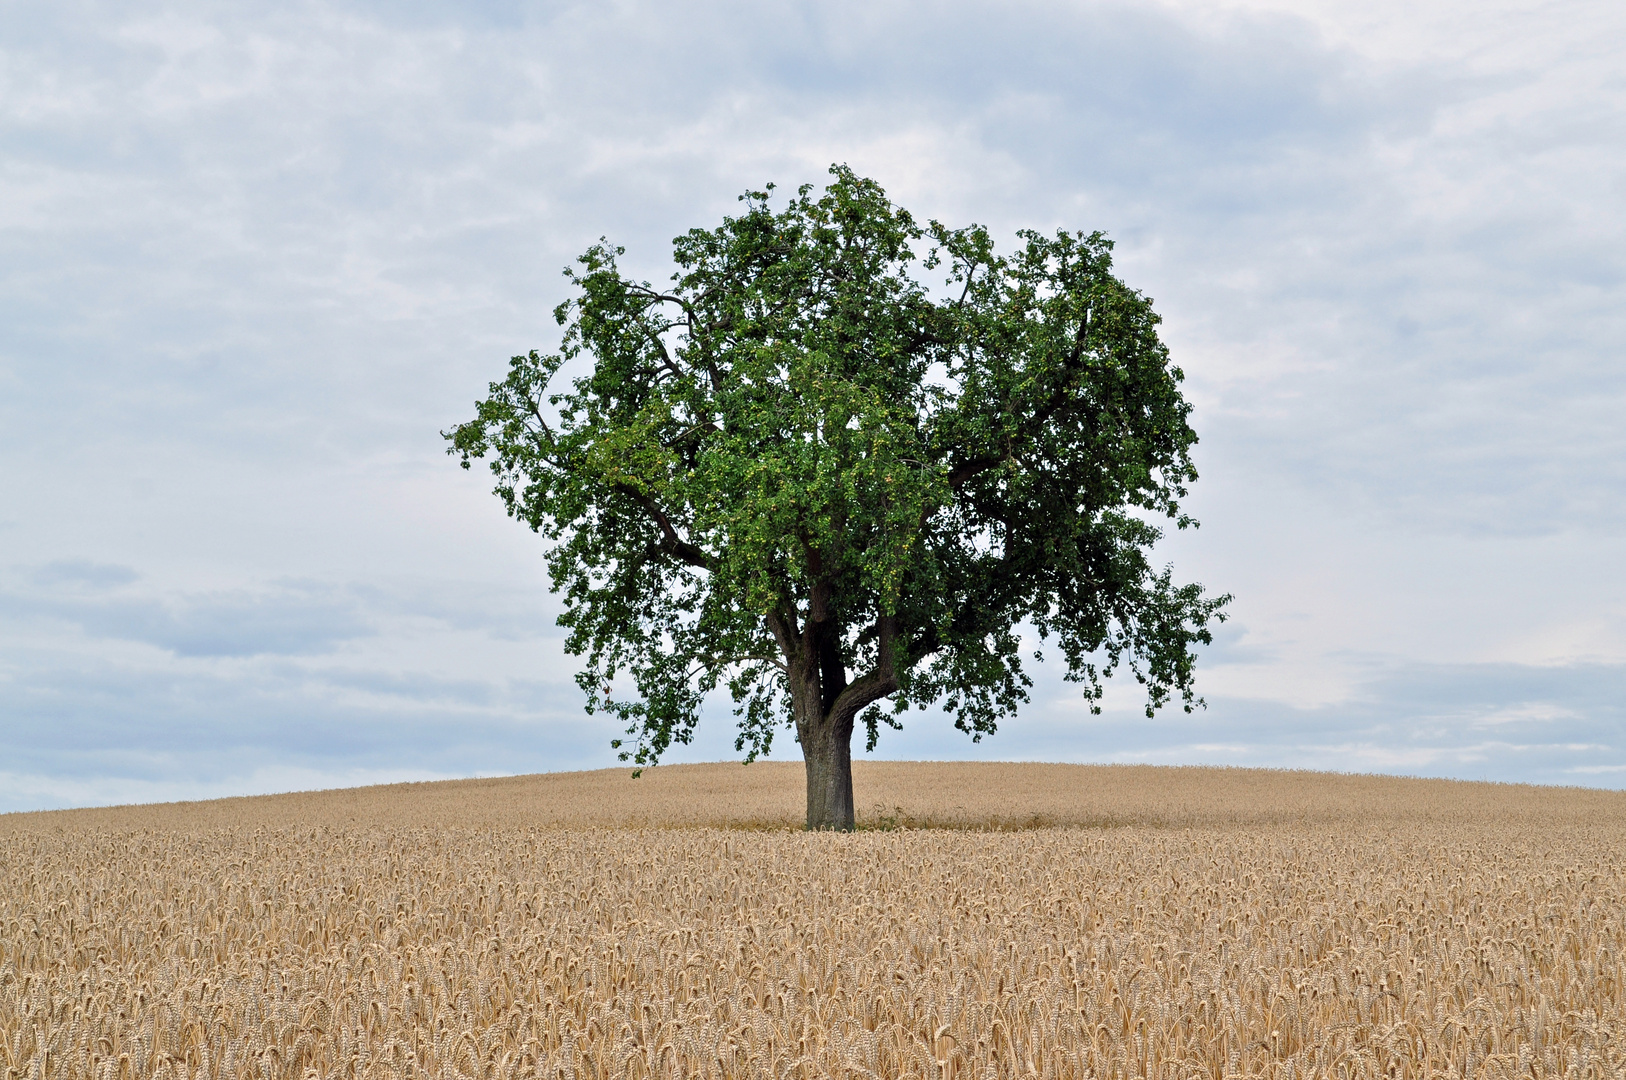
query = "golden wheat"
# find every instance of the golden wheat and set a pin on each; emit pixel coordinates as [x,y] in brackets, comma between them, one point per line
[1240,924]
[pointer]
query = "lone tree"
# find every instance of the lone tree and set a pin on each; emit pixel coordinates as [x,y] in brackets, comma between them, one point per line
[796,472]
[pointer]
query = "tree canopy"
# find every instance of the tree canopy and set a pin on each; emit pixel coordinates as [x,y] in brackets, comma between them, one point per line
[798,472]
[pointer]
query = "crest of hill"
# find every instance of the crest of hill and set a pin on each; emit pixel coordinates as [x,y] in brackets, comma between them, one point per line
[890,794]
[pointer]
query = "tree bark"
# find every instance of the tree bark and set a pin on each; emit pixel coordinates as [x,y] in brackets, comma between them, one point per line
[827,755]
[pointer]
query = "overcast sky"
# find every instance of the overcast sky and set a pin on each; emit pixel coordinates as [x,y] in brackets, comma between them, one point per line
[254,257]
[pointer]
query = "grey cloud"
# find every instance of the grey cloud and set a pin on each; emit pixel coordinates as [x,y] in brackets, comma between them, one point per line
[291,620]
[505,612]
[239,625]
[83,572]
[281,619]
[1512,722]
[1230,646]
[183,730]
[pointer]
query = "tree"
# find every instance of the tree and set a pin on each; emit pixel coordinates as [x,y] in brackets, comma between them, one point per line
[797,473]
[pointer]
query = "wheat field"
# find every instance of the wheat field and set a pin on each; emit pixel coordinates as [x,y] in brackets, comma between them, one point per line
[990,921]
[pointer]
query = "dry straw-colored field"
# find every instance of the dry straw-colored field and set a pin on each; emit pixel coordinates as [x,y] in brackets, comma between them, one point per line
[1058,921]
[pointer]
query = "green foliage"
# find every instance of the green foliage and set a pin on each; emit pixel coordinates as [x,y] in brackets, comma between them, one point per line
[796,465]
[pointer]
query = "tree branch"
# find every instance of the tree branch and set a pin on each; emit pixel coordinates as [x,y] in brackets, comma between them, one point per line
[723,661]
[691,320]
[547,432]
[671,542]
[879,682]
[967,469]
[782,625]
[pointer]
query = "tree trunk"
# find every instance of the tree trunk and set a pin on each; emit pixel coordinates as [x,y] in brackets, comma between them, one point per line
[827,753]
[825,708]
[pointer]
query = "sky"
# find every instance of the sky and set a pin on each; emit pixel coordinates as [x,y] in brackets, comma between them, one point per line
[254,258]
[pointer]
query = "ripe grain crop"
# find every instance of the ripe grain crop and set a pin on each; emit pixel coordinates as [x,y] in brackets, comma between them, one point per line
[1158,923]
